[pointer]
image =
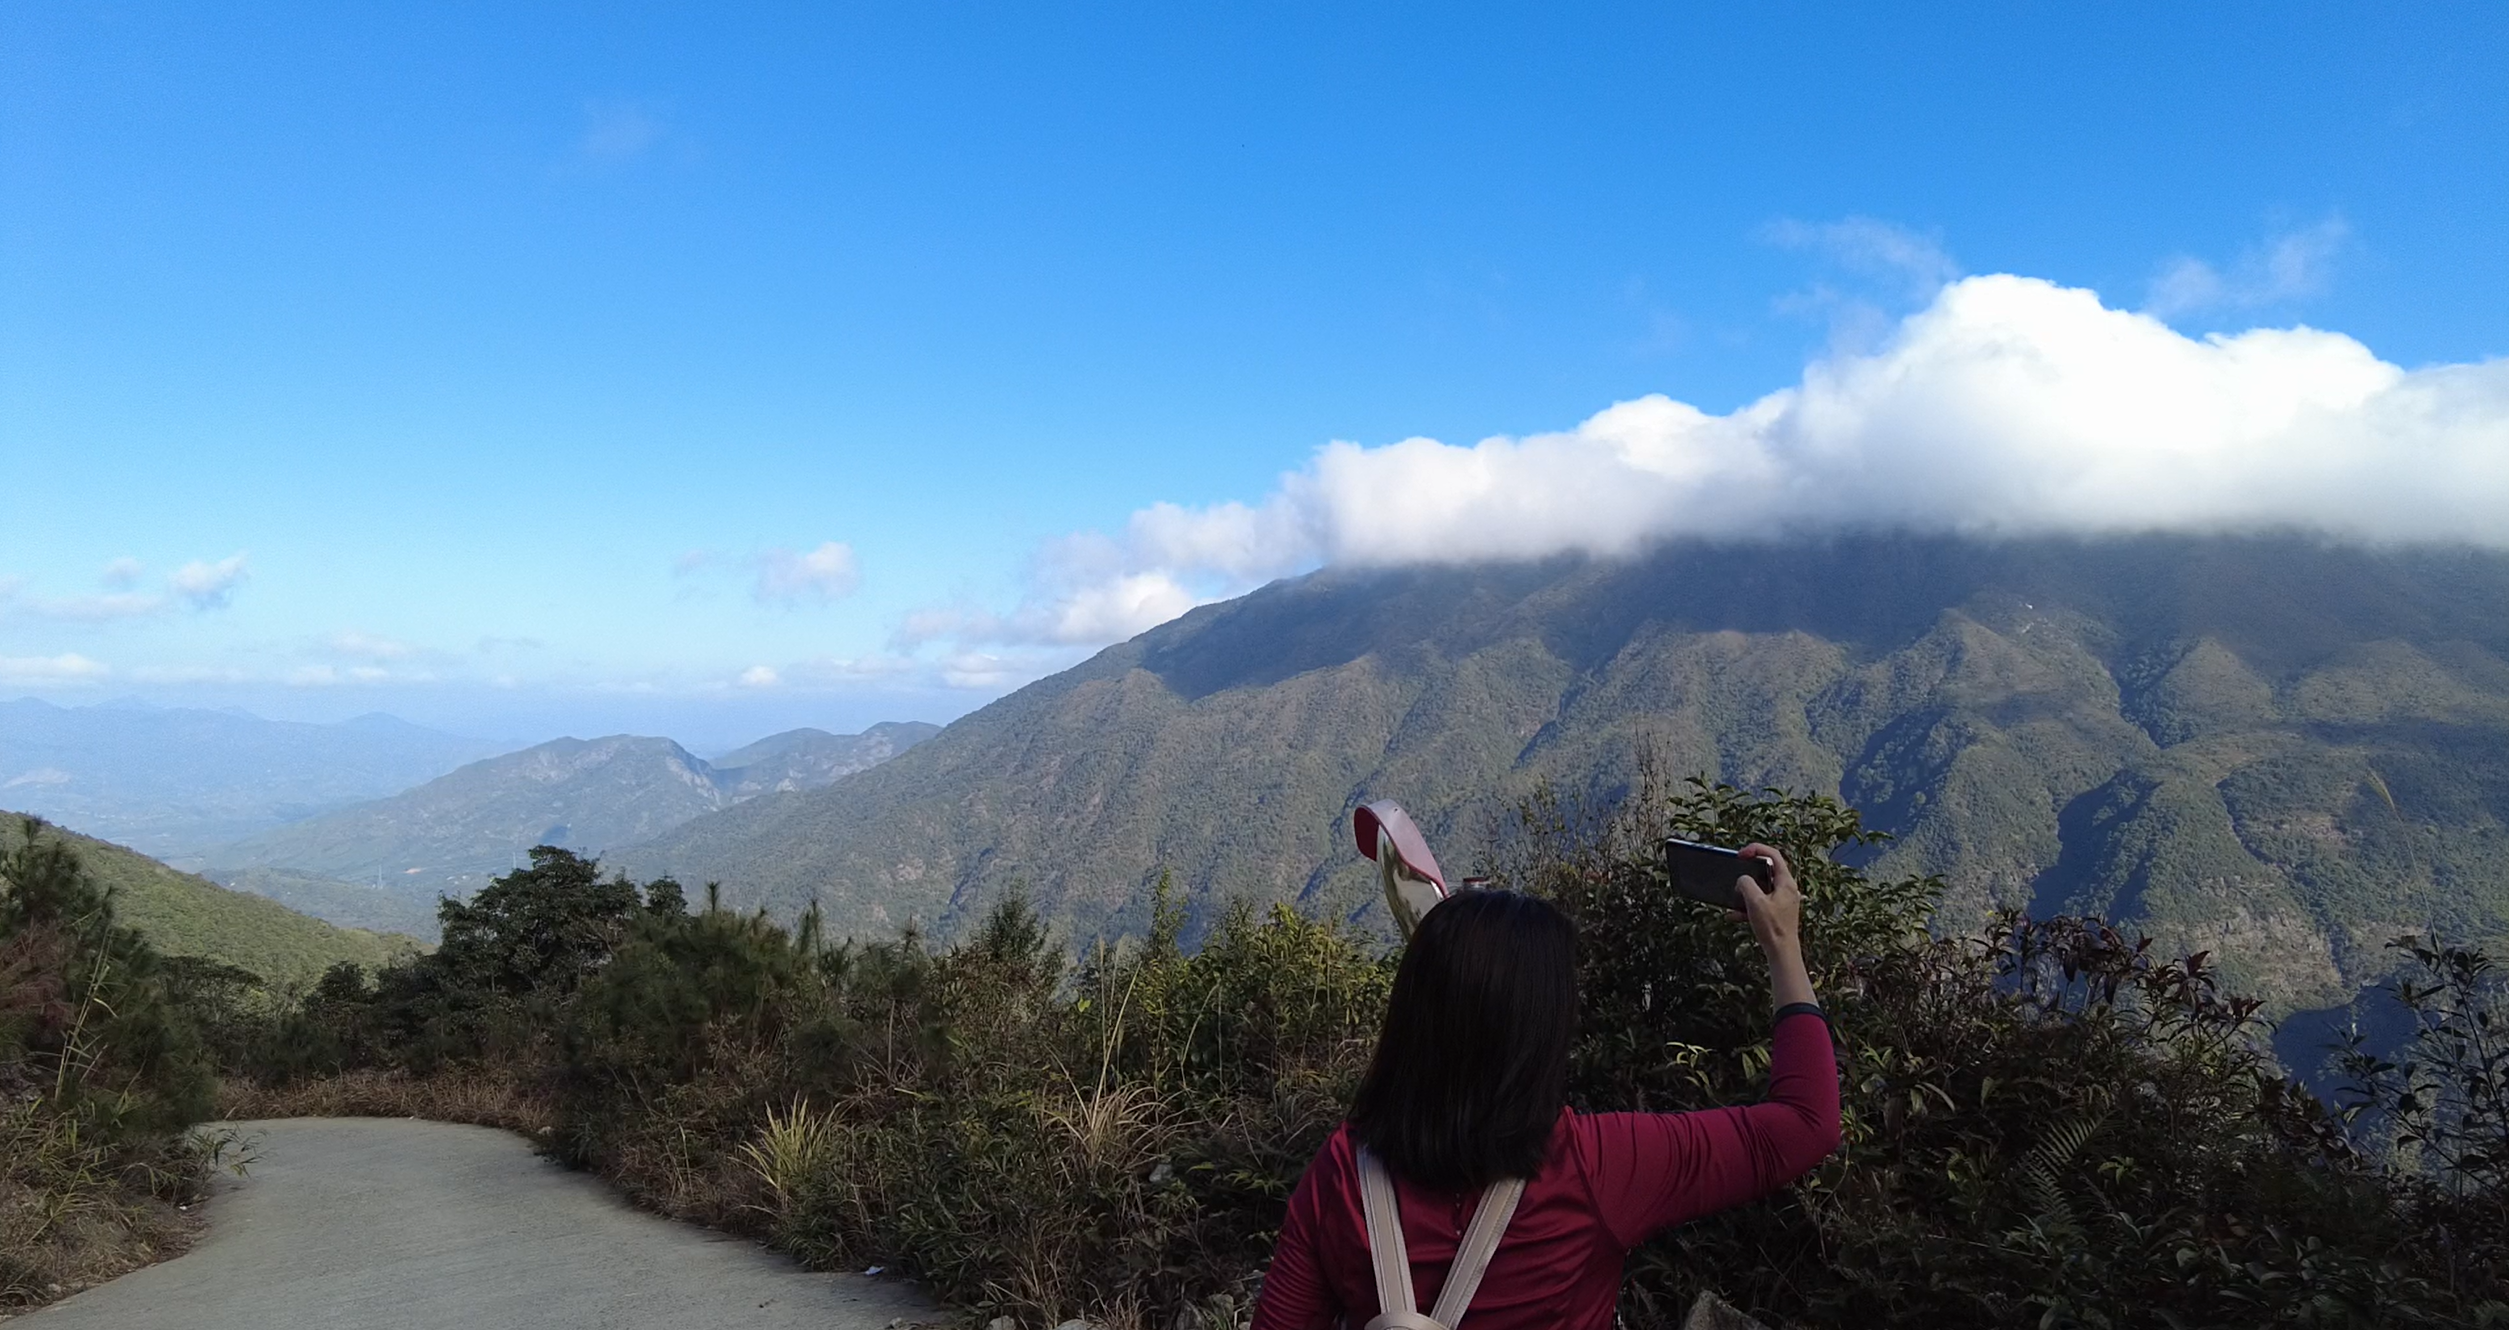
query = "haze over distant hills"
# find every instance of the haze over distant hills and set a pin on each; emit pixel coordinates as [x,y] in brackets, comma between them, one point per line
[453,834]
[2277,748]
[169,780]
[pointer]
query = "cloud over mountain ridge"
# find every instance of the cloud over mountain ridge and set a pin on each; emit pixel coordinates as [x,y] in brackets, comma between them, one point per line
[2008,406]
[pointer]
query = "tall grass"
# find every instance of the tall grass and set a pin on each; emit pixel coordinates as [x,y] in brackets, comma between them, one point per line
[102,1074]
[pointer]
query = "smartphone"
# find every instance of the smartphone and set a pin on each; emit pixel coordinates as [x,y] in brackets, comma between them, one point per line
[1709,873]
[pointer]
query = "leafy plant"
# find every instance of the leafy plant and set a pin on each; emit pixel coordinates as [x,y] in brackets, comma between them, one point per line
[102,1071]
[2048,1122]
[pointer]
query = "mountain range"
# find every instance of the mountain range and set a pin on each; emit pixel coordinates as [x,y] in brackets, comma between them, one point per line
[170,780]
[451,835]
[2271,746]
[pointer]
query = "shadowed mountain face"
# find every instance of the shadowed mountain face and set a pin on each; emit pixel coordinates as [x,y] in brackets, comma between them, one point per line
[2275,748]
[451,835]
[169,780]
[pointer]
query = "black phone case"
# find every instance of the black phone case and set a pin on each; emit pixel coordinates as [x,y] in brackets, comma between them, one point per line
[1707,873]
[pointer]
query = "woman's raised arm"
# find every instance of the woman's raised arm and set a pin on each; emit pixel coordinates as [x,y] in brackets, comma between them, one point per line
[1654,1169]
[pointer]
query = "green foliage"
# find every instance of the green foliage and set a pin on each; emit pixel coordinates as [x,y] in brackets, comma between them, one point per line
[91,1000]
[2438,1107]
[102,1071]
[183,915]
[2048,1122]
[510,961]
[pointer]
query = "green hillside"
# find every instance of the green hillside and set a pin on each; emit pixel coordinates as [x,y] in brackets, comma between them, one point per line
[454,834]
[2274,748]
[184,915]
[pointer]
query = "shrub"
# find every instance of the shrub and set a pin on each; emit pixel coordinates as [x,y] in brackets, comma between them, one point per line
[2048,1123]
[102,1072]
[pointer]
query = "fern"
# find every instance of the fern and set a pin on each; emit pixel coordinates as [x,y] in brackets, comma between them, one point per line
[2042,1170]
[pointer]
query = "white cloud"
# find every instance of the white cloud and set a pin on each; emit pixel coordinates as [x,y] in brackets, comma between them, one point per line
[1872,248]
[334,676]
[206,585]
[841,671]
[2007,406]
[66,668]
[824,574]
[201,584]
[192,674]
[2288,266]
[370,646]
[987,671]
[1078,611]
[893,670]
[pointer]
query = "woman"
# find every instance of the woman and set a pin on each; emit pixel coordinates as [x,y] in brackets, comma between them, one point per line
[1468,1088]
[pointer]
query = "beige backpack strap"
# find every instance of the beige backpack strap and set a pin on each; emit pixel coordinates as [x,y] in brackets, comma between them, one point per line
[1472,1259]
[1392,1261]
[1385,1248]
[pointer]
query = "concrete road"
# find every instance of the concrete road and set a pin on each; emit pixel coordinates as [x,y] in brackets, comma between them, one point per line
[382,1224]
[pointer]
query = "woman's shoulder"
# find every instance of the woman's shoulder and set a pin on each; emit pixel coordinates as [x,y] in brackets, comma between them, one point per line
[1338,1156]
[1597,1140]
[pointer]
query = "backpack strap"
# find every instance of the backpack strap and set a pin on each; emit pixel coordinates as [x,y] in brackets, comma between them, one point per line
[1472,1260]
[1385,1245]
[1397,1309]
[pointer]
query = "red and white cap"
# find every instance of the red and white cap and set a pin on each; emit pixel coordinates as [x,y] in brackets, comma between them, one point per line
[1405,868]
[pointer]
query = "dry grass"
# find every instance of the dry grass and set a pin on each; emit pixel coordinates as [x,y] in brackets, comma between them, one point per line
[53,1244]
[482,1096]
[75,1212]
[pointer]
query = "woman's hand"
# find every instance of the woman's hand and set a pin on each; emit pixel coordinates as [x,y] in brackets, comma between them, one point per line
[1776,918]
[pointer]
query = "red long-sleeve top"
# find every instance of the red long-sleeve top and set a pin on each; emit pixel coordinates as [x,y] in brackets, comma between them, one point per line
[1609,1180]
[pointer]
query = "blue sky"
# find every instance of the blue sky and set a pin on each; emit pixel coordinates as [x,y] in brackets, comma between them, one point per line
[573,369]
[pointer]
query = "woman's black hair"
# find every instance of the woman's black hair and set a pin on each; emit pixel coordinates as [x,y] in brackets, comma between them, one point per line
[1472,1067]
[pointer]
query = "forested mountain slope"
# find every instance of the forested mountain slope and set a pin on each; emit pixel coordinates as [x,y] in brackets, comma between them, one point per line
[184,915]
[2271,746]
[453,834]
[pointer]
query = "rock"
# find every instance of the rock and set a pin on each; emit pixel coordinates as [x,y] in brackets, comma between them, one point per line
[1001,1323]
[1711,1312]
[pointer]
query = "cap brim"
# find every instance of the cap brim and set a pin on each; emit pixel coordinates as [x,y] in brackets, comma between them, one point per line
[1387,817]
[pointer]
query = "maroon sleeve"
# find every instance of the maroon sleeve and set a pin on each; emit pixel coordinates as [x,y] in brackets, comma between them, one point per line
[1294,1294]
[1650,1170]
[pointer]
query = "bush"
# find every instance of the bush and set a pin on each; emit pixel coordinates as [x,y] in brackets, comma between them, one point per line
[2046,1124]
[103,1071]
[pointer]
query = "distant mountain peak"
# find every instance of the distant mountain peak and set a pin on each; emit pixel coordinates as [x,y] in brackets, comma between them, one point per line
[455,833]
